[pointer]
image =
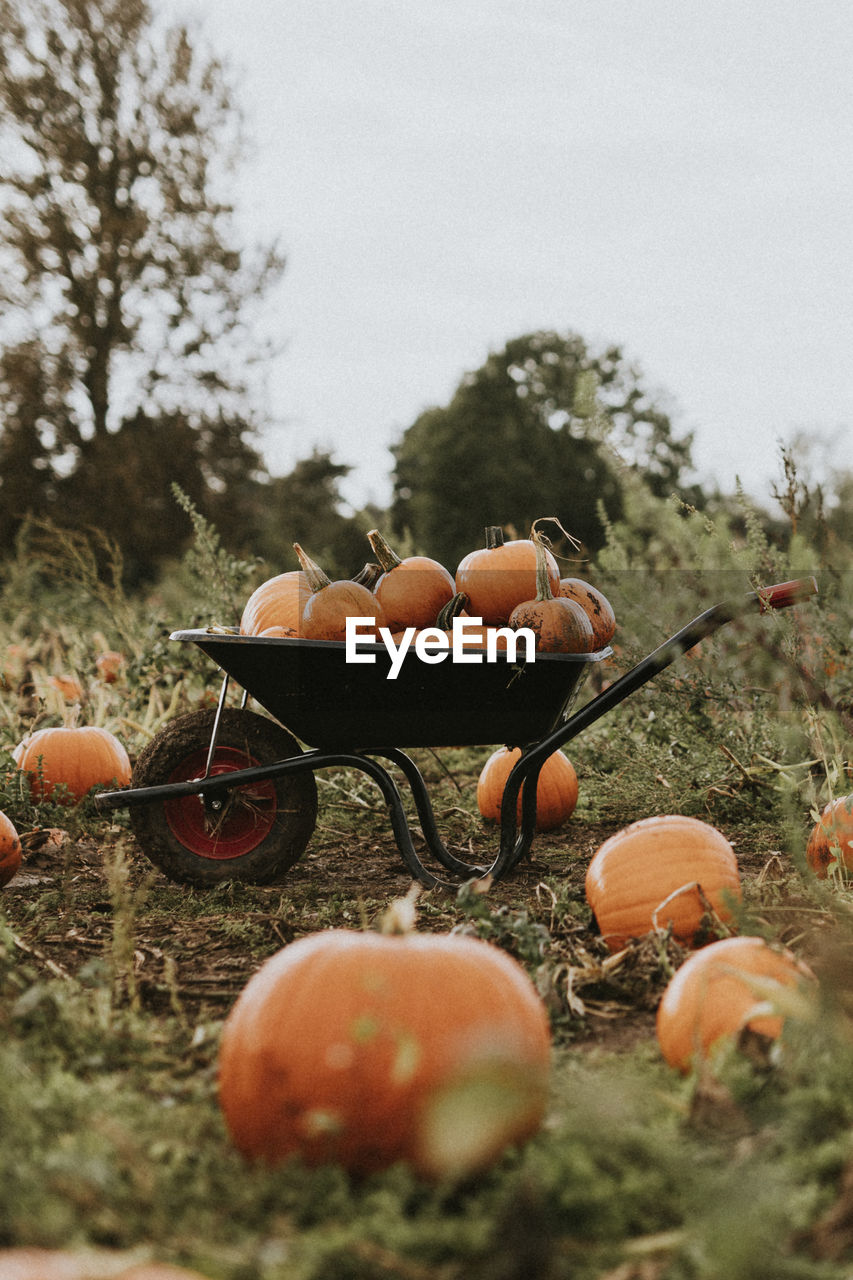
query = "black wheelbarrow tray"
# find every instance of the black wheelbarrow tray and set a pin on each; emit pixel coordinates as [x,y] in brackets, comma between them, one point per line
[230,794]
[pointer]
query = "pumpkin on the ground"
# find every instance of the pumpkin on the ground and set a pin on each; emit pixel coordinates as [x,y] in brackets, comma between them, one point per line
[556,789]
[720,990]
[660,872]
[831,838]
[77,758]
[363,1050]
[10,849]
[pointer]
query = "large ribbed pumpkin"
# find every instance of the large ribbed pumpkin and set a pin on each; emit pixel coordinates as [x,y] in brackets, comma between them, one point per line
[717,992]
[832,837]
[556,789]
[78,758]
[362,1049]
[649,875]
[501,575]
[63,1264]
[10,849]
[278,603]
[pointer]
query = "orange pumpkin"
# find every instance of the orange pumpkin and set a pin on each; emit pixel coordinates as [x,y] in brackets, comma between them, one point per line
[596,606]
[363,1050]
[656,873]
[832,838]
[10,849]
[559,624]
[329,604]
[556,789]
[278,603]
[62,1264]
[720,990]
[77,758]
[410,591]
[501,575]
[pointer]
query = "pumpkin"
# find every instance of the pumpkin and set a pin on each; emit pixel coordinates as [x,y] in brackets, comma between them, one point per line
[596,606]
[660,872]
[324,616]
[718,992]
[559,624]
[109,664]
[364,1049]
[411,591]
[278,603]
[77,758]
[10,849]
[501,575]
[556,788]
[62,1264]
[831,838]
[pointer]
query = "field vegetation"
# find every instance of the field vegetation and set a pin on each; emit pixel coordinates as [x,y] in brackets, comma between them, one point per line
[114,981]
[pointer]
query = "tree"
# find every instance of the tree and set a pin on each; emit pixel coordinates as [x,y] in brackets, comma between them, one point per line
[128,298]
[541,429]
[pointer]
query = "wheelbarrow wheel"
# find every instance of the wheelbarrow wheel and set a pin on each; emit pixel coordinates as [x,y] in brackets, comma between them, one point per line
[254,833]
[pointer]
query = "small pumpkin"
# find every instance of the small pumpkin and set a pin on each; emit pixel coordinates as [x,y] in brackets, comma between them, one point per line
[278,603]
[10,849]
[831,838]
[365,1049]
[63,1264]
[596,606]
[718,992]
[559,624]
[329,604]
[411,591]
[77,758]
[661,871]
[501,575]
[556,788]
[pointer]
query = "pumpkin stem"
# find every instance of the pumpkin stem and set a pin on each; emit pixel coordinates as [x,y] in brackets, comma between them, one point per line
[494,536]
[317,579]
[385,554]
[368,576]
[455,606]
[543,582]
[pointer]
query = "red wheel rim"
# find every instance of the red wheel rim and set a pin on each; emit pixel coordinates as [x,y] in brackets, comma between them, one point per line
[245,820]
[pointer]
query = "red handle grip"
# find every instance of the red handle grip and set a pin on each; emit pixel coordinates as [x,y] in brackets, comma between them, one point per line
[786,593]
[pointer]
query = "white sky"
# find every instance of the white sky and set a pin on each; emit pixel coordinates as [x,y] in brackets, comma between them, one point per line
[448,174]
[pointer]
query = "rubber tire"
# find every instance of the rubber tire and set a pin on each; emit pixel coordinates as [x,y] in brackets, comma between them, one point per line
[263,741]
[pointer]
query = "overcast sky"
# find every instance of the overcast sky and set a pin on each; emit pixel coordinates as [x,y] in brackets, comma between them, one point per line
[448,174]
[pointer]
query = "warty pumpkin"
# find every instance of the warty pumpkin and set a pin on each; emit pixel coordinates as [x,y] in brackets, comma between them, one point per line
[324,616]
[411,591]
[10,849]
[831,838]
[556,788]
[658,872]
[559,624]
[501,575]
[77,758]
[362,1049]
[722,989]
[596,606]
[276,603]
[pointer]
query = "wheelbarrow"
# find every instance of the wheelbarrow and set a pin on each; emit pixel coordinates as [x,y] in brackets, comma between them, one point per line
[230,794]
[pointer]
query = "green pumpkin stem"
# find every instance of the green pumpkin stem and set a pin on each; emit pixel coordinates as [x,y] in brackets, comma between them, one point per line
[317,579]
[494,536]
[386,556]
[543,581]
[368,576]
[454,607]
